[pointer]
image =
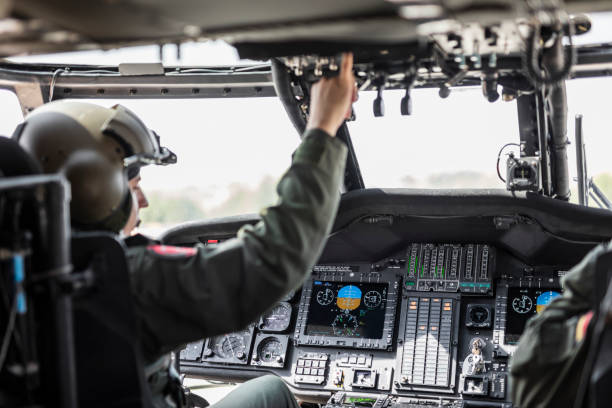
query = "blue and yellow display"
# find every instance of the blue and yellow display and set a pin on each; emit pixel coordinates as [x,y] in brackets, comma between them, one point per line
[544,300]
[349,297]
[347,309]
[524,303]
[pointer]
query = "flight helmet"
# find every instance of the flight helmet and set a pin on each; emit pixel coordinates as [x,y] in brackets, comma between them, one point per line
[98,149]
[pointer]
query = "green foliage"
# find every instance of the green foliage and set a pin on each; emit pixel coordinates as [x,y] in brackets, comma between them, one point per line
[245,200]
[604,182]
[170,209]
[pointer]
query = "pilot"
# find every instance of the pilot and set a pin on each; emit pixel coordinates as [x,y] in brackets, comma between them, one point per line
[182,295]
[547,366]
[139,199]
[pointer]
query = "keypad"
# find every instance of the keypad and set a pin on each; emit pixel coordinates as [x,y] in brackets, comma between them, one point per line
[311,368]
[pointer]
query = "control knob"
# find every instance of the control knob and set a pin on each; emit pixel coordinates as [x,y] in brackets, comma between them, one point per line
[474,362]
[338,380]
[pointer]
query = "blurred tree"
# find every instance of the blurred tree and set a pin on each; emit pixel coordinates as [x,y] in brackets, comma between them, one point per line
[604,182]
[166,209]
[245,200]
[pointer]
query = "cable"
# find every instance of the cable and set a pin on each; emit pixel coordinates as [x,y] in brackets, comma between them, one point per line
[16,335]
[181,71]
[7,335]
[532,65]
[499,157]
[53,79]
[251,68]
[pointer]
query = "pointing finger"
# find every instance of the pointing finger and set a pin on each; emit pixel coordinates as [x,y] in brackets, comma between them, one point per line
[347,64]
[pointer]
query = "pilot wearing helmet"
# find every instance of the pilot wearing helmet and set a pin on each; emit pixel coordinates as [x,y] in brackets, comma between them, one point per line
[182,295]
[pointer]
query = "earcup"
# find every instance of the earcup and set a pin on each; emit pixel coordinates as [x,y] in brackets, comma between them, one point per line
[101,196]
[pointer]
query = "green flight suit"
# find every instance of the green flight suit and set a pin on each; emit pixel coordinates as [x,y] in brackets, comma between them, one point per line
[184,297]
[547,364]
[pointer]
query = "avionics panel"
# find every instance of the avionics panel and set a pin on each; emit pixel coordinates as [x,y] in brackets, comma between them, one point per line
[516,301]
[345,309]
[430,328]
[466,268]
[523,303]
[347,306]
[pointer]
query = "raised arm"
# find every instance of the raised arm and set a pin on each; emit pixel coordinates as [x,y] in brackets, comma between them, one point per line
[185,297]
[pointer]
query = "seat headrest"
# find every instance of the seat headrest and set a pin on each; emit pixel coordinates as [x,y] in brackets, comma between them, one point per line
[14,161]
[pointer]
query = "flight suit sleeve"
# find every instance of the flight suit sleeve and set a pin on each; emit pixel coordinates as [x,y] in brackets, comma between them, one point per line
[187,296]
[547,364]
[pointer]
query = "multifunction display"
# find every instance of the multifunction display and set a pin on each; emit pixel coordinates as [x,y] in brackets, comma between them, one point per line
[522,304]
[347,309]
[348,305]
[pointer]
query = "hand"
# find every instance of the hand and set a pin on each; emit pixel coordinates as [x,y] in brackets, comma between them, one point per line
[331,98]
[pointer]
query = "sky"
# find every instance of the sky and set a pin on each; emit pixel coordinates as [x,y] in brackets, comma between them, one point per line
[224,142]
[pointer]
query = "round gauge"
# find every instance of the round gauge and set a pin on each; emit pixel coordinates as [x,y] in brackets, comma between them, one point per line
[270,350]
[479,314]
[277,319]
[345,325]
[372,299]
[522,304]
[325,297]
[233,346]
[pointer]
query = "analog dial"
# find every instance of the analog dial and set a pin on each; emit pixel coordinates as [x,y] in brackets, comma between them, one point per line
[325,297]
[372,299]
[479,314]
[277,319]
[270,350]
[522,304]
[232,346]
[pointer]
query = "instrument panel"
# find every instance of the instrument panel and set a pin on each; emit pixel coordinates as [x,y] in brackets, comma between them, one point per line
[433,324]
[347,306]
[232,348]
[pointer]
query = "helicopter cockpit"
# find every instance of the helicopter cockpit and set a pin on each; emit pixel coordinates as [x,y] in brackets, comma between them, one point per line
[421,294]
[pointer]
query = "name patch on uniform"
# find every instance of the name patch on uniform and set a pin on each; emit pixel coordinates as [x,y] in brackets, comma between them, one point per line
[583,325]
[172,251]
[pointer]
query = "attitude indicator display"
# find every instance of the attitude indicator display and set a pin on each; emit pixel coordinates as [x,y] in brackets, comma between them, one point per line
[348,305]
[524,303]
[347,309]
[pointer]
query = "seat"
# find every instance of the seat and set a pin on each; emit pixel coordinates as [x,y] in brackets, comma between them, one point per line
[109,360]
[14,161]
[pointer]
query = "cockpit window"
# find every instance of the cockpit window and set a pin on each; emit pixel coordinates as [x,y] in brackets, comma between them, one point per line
[231,153]
[445,143]
[587,97]
[11,112]
[454,142]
